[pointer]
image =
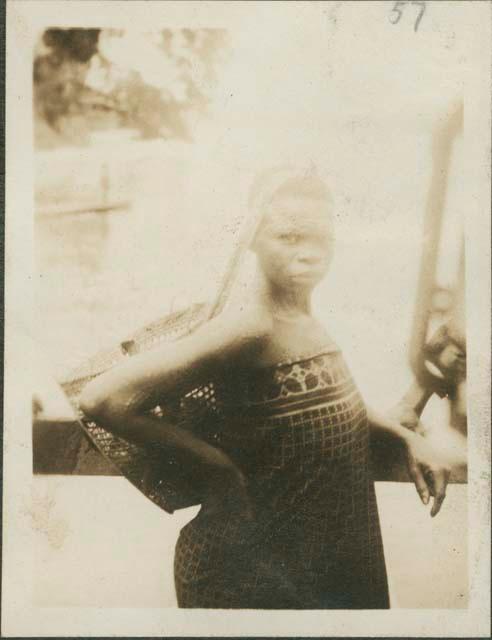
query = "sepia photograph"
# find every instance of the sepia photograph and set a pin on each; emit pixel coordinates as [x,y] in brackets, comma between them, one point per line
[244,321]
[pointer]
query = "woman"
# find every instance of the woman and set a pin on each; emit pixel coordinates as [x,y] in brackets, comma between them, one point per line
[289,517]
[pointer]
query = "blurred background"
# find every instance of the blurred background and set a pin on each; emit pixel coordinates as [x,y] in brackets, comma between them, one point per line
[145,146]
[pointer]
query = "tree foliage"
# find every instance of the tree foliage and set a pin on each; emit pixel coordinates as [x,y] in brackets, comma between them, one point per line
[71,104]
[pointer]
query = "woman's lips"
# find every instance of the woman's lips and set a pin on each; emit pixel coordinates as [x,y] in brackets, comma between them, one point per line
[308,274]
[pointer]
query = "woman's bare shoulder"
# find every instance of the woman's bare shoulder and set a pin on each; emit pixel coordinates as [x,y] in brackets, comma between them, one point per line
[236,335]
[249,318]
[239,331]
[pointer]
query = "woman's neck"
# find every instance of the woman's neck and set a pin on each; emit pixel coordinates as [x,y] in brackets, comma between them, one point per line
[287,304]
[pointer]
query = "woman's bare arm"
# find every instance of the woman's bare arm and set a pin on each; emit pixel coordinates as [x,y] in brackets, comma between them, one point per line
[140,382]
[119,399]
[426,466]
[412,404]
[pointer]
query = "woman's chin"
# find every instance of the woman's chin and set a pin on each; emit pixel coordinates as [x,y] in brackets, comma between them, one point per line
[295,281]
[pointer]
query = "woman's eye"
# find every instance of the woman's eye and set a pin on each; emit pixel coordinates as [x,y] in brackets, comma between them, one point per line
[289,238]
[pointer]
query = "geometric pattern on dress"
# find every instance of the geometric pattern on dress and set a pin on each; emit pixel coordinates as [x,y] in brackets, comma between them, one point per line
[299,432]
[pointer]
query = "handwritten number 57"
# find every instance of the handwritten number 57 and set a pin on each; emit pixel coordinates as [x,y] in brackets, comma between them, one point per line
[397,12]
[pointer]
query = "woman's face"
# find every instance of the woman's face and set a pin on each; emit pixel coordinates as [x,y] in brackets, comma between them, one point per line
[295,241]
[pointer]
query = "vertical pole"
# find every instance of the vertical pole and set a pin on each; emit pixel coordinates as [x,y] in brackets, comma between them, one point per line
[434,211]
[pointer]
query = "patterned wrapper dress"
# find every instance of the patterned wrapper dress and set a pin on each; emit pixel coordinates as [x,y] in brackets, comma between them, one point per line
[299,432]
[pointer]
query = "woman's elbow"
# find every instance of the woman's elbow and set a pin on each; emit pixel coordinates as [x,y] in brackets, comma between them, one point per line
[109,411]
[92,404]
